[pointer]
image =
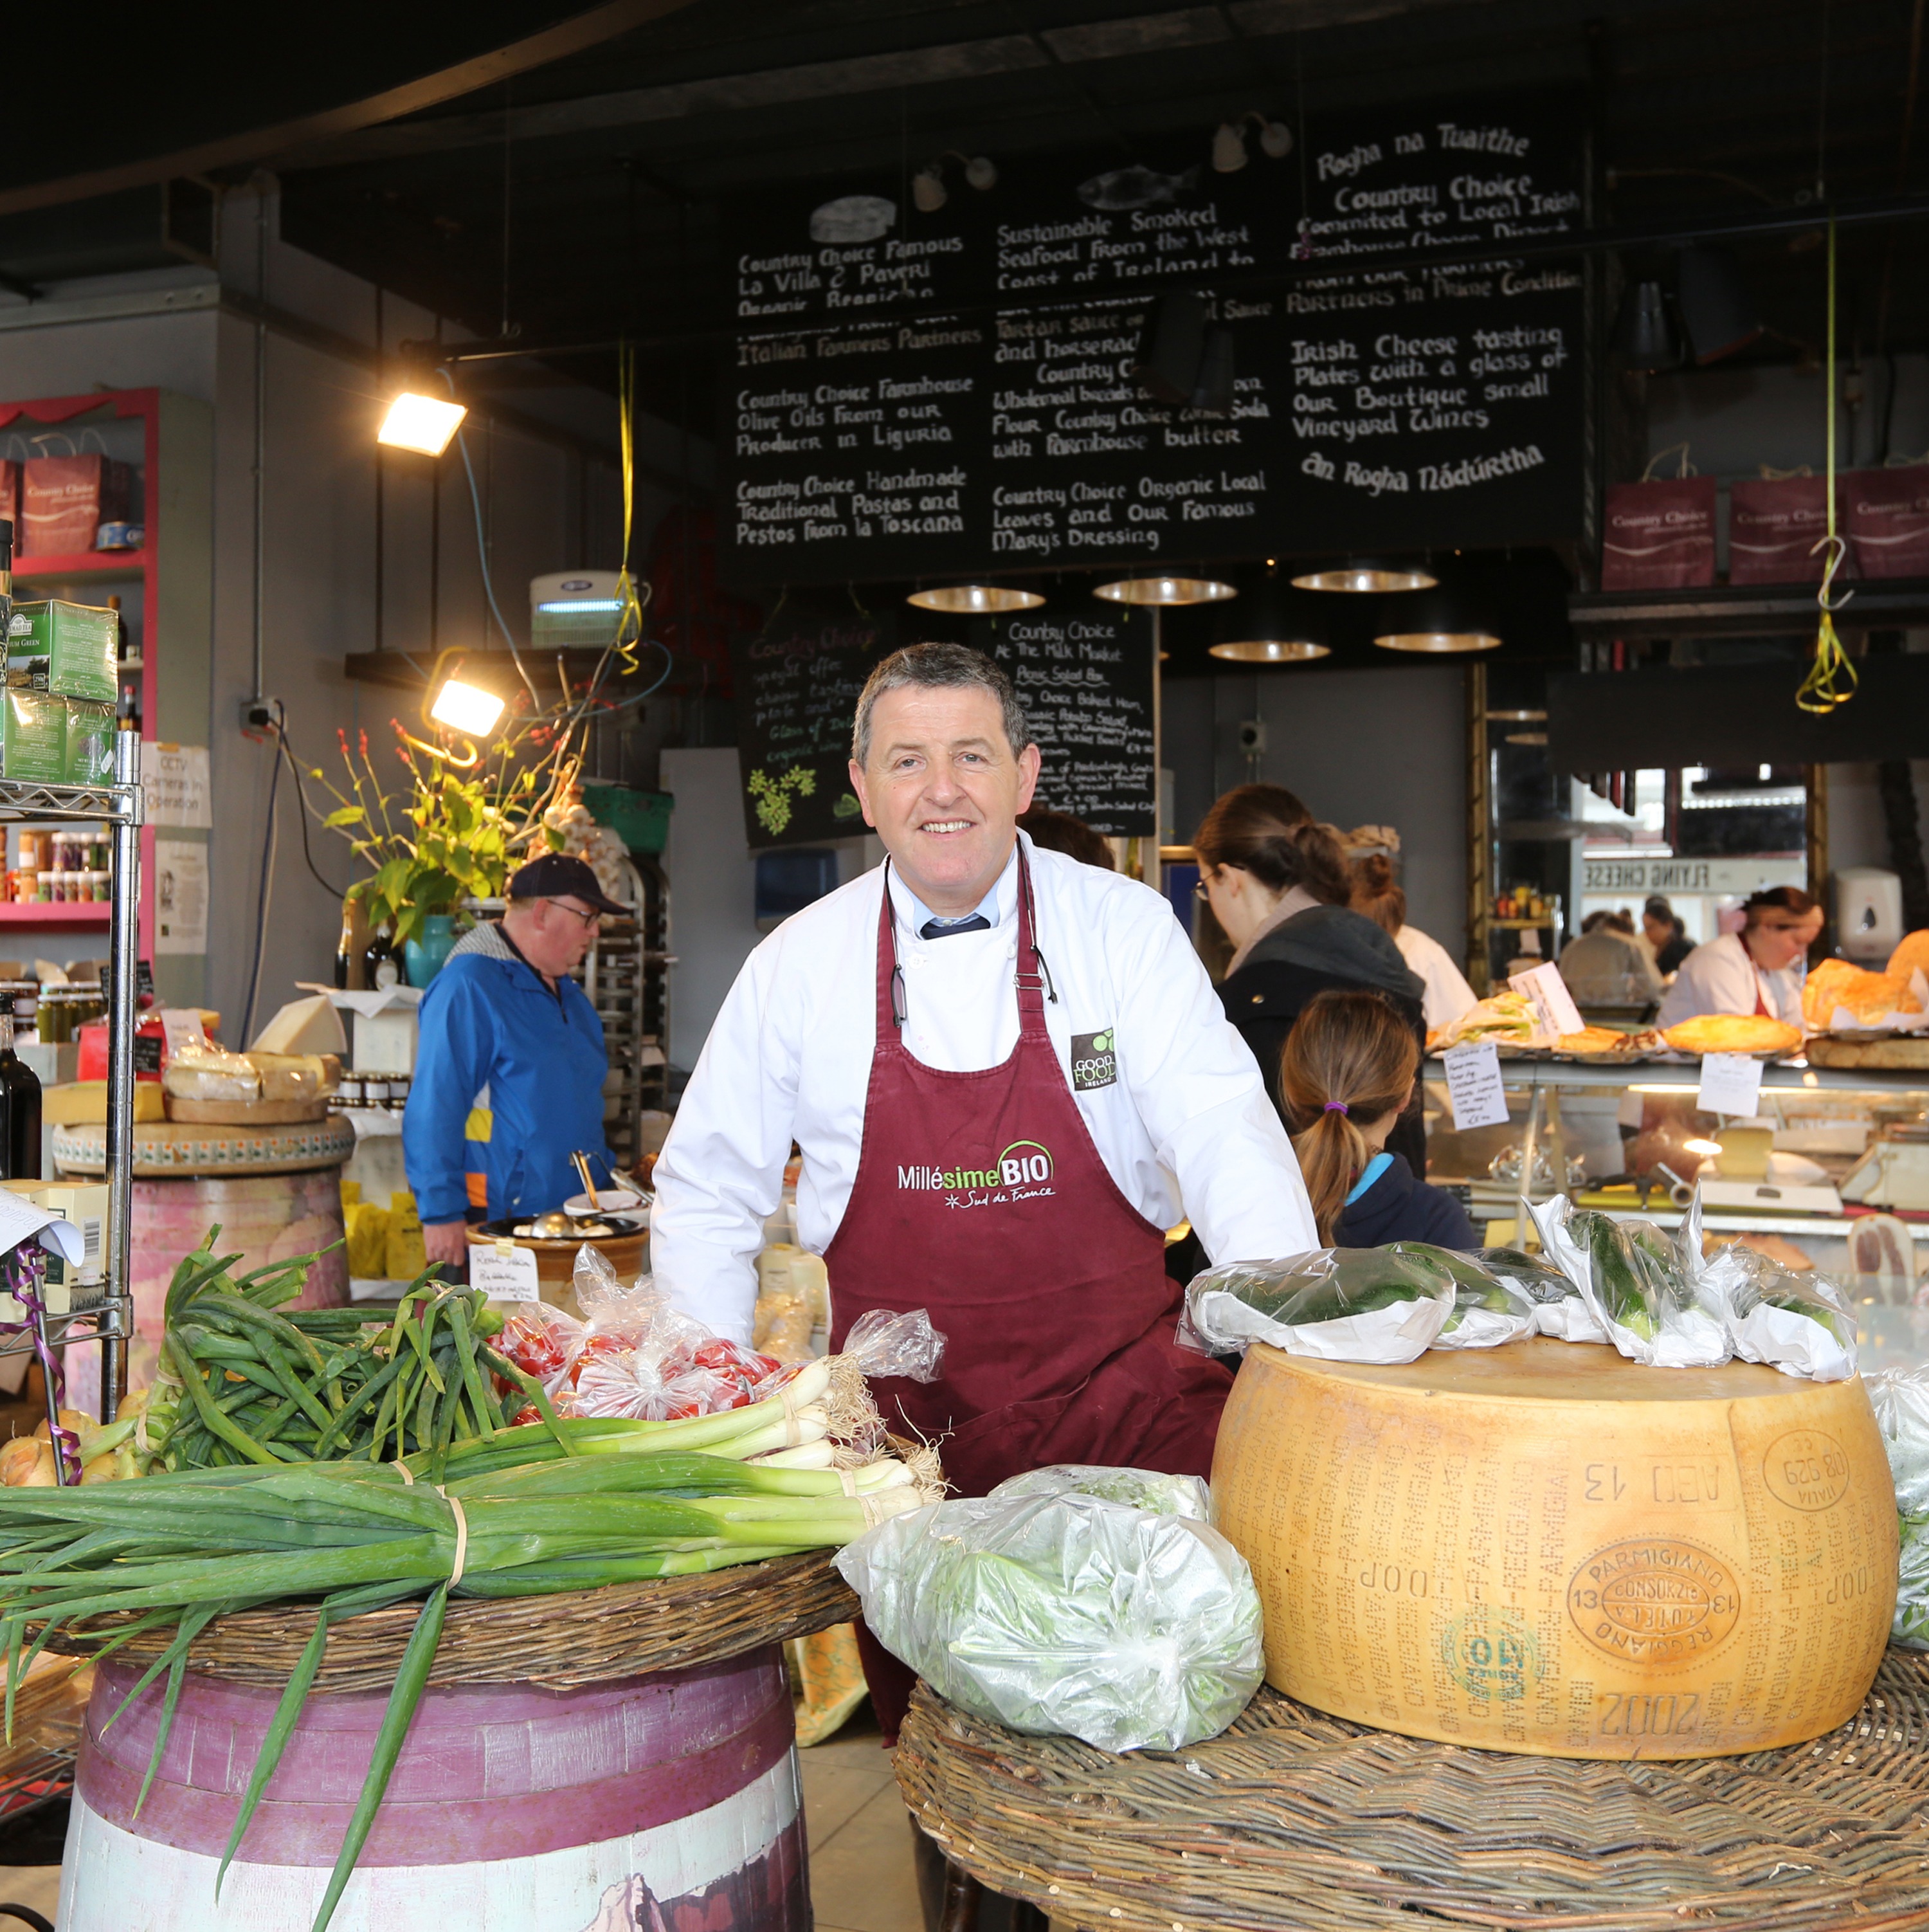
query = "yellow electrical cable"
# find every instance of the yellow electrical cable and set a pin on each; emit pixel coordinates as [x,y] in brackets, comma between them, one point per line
[1831,678]
[630,623]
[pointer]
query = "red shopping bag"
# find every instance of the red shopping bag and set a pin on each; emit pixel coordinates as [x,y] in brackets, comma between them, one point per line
[1884,515]
[1659,536]
[65,499]
[1775,523]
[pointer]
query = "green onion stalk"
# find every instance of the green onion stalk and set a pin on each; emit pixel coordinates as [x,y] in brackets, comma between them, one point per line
[628,1500]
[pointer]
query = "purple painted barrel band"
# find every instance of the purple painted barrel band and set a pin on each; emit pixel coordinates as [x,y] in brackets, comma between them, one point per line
[488,1770]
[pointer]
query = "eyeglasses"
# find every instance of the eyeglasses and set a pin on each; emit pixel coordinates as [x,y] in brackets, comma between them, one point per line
[1199,892]
[589,918]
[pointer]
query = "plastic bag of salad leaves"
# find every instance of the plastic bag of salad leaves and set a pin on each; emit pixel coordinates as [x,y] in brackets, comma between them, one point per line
[1800,1324]
[1340,1304]
[1901,1400]
[1146,1489]
[1487,1311]
[1560,1311]
[1633,1280]
[1066,1615]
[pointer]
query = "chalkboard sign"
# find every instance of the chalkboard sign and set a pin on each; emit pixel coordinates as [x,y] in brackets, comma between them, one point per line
[797,684]
[1086,681]
[899,418]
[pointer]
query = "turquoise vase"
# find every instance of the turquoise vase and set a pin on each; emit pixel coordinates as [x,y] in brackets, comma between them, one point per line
[430,947]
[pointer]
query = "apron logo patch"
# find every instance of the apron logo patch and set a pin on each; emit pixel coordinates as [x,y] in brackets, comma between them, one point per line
[1095,1062]
[1023,1164]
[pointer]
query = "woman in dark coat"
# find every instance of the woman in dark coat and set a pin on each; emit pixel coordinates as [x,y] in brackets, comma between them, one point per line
[1279,885]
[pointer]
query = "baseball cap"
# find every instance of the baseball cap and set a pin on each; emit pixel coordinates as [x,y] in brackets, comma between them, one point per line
[555,875]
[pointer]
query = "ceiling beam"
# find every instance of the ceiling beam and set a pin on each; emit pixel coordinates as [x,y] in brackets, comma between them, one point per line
[572,36]
[863,73]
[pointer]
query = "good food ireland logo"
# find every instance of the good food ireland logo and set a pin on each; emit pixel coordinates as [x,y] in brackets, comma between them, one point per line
[1022,1172]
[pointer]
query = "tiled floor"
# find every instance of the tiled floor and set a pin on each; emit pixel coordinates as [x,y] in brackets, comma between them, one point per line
[861,1877]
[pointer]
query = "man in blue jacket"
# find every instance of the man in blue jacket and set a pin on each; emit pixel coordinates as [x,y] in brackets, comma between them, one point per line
[512,1065]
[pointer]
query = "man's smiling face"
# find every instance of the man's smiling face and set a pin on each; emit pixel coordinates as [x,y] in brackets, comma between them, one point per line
[943,790]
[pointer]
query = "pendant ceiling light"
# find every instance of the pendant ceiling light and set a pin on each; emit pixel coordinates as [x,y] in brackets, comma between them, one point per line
[975,600]
[1166,591]
[1646,334]
[1362,575]
[1439,622]
[1271,625]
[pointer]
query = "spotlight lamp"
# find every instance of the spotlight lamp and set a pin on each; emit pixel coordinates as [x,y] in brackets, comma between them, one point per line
[1436,621]
[1164,592]
[424,423]
[1271,625]
[466,708]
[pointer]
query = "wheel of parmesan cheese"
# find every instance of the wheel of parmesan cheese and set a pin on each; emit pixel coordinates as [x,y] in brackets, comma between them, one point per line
[1546,1548]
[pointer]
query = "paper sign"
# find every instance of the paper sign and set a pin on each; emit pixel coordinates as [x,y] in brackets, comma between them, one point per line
[180,1026]
[1551,1000]
[1474,1088]
[180,896]
[175,782]
[1731,1083]
[503,1271]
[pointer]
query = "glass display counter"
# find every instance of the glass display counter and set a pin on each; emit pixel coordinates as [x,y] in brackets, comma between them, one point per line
[1833,1171]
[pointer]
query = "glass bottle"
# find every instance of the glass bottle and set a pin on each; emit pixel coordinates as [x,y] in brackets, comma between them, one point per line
[343,948]
[22,1088]
[381,964]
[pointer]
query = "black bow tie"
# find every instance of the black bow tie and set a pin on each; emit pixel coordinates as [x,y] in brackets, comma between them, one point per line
[943,928]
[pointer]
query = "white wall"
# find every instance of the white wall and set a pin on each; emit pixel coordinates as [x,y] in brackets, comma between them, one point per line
[1367,747]
[712,892]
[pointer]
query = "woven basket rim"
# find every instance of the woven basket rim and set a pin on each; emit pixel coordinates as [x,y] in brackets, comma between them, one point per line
[563,1640]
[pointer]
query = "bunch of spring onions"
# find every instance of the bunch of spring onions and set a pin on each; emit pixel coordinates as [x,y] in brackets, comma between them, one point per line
[546,1507]
[242,1382]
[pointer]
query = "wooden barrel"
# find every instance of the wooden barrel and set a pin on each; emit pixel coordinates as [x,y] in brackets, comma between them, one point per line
[1546,1548]
[512,1809]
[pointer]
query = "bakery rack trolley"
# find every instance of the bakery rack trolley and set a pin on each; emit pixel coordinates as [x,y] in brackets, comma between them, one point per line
[105,1314]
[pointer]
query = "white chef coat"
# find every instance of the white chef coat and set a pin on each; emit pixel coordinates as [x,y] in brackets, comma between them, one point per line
[1447,995]
[1722,977]
[1183,1127]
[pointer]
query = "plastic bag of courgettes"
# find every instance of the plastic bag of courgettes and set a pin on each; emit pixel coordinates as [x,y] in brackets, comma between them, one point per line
[1901,1400]
[1066,1615]
[1559,1310]
[1487,1310]
[1148,1490]
[1800,1324]
[1340,1304]
[1656,1310]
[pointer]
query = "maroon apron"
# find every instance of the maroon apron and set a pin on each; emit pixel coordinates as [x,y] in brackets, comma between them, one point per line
[981,1197]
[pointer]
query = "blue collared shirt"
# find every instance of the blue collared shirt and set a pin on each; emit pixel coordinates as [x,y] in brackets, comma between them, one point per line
[996,907]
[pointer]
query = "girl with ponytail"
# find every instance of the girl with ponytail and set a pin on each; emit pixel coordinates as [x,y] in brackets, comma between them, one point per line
[1346,1075]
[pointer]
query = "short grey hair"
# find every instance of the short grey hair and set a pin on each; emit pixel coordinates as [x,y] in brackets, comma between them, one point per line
[937,667]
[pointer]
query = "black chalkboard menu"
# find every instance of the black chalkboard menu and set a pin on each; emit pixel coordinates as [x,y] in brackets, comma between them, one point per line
[919,394]
[1084,678]
[797,684]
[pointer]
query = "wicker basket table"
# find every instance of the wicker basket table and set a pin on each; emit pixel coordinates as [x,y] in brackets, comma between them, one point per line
[1295,1820]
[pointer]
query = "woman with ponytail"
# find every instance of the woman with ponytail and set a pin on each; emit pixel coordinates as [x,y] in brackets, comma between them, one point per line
[1347,1073]
[1280,886]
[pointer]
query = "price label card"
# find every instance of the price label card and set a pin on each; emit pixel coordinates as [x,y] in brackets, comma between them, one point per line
[1551,1000]
[503,1271]
[1474,1089]
[1731,1083]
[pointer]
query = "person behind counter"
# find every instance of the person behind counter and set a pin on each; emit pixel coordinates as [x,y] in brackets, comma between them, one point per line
[1280,886]
[509,1073]
[1606,966]
[1347,1072]
[1759,970]
[1379,896]
[1666,934]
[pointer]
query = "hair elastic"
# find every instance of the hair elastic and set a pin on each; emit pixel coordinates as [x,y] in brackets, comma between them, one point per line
[1334,1107]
